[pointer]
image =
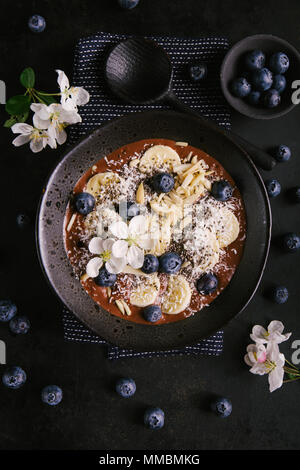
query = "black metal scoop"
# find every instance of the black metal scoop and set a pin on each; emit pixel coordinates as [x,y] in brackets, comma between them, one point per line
[140,72]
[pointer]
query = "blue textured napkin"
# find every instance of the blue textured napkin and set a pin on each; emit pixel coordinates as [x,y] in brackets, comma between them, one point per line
[90,55]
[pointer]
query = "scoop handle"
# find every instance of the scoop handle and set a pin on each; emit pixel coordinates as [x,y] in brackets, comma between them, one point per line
[259,156]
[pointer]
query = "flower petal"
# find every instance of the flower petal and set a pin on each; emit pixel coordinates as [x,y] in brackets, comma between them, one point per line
[40,123]
[120,248]
[275,326]
[21,140]
[37,145]
[62,80]
[138,225]
[258,334]
[21,128]
[276,378]
[41,110]
[135,257]
[107,244]
[81,95]
[96,246]
[115,265]
[93,267]
[119,229]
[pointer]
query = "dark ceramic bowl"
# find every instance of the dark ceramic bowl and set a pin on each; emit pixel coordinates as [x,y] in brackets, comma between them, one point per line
[232,67]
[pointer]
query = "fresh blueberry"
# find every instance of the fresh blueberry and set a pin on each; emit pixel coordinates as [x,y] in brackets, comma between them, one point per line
[150,265]
[128,210]
[154,418]
[128,4]
[272,98]
[283,153]
[255,60]
[19,325]
[37,23]
[105,279]
[253,98]
[279,83]
[52,395]
[279,294]
[22,220]
[273,187]
[198,71]
[279,62]
[84,203]
[240,87]
[126,387]
[14,377]
[291,242]
[222,407]
[162,182]
[221,190]
[295,194]
[170,263]
[207,284]
[262,79]
[152,313]
[7,310]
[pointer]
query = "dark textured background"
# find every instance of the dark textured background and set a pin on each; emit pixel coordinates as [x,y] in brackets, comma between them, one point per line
[91,415]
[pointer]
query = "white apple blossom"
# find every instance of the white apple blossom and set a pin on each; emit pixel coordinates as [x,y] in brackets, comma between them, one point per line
[266,361]
[71,97]
[55,119]
[103,248]
[133,239]
[273,334]
[38,138]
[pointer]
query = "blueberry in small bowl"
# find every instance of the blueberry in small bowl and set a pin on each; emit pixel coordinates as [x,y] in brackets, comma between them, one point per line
[291,242]
[255,60]
[272,98]
[262,79]
[222,407]
[279,294]
[254,97]
[221,190]
[52,395]
[240,87]
[7,310]
[19,325]
[170,263]
[279,83]
[14,377]
[152,313]
[84,203]
[282,153]
[125,387]
[154,418]
[150,265]
[162,182]
[273,187]
[279,62]
[197,71]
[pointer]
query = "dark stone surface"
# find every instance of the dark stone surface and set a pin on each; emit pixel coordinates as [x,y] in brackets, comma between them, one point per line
[91,415]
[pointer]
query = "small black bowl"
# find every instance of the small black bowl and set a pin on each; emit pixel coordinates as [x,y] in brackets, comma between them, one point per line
[232,67]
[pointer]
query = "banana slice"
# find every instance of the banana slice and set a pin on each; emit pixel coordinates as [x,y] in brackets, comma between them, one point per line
[160,230]
[159,156]
[98,182]
[206,250]
[177,297]
[146,291]
[229,230]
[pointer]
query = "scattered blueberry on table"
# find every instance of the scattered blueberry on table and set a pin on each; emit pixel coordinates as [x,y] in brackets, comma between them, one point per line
[152,313]
[272,98]
[7,310]
[222,407]
[222,190]
[128,4]
[291,242]
[150,265]
[23,220]
[207,284]
[128,210]
[126,387]
[105,279]
[14,377]
[197,71]
[240,87]
[52,395]
[273,187]
[84,203]
[37,23]
[162,182]
[295,194]
[282,153]
[170,263]
[154,418]
[279,62]
[279,294]
[19,325]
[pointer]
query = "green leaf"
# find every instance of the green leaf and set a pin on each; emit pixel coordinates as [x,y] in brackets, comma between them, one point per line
[14,119]
[17,105]
[47,99]
[27,78]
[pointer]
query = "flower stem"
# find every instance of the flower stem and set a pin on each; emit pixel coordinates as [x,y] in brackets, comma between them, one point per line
[292,365]
[47,94]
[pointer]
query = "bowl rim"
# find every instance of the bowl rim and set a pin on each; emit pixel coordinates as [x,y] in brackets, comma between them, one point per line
[228,95]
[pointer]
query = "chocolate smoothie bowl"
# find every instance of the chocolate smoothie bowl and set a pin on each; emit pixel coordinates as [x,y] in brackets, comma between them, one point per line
[154,231]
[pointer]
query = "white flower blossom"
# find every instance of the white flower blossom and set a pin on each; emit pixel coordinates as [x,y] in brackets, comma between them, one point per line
[133,239]
[103,248]
[272,335]
[266,361]
[38,138]
[55,119]
[71,97]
